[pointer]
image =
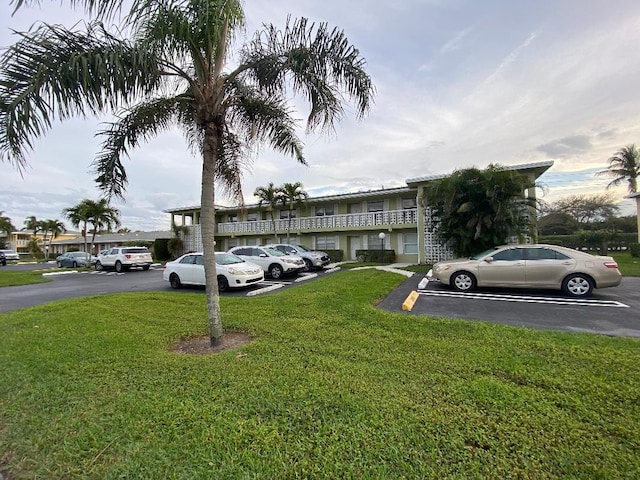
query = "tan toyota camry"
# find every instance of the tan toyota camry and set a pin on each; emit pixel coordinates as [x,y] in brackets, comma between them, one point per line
[530,266]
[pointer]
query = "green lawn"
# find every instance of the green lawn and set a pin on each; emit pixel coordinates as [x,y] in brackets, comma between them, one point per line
[331,387]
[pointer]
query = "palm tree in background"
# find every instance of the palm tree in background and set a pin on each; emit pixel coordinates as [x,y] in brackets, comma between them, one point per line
[292,195]
[6,225]
[270,197]
[624,166]
[173,70]
[95,216]
[33,224]
[52,228]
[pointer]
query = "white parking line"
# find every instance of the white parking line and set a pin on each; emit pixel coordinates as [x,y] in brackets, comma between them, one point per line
[270,288]
[524,299]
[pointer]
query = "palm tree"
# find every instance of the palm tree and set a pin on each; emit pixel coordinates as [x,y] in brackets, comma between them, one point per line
[53,227]
[271,197]
[6,225]
[98,215]
[173,71]
[32,223]
[292,195]
[624,166]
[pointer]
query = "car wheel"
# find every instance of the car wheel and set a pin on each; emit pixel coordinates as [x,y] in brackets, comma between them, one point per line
[118,267]
[463,281]
[223,284]
[275,271]
[99,267]
[174,280]
[145,267]
[577,285]
[308,266]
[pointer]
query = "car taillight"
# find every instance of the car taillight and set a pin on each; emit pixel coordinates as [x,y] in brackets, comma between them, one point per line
[611,264]
[127,256]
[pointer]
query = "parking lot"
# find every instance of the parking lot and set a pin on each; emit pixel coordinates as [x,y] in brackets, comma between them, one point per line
[612,311]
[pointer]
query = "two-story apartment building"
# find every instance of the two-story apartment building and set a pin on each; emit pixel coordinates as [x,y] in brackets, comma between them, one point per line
[393,219]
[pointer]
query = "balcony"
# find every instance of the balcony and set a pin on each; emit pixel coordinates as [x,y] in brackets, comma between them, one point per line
[333,223]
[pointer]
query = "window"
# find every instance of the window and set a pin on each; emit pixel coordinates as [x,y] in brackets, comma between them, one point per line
[324,211]
[326,243]
[233,218]
[408,203]
[375,206]
[199,259]
[252,217]
[284,214]
[510,254]
[232,242]
[544,254]
[189,259]
[410,243]
[243,251]
[375,242]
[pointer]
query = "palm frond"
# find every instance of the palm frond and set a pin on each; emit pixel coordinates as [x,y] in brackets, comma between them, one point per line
[264,118]
[53,72]
[137,124]
[319,63]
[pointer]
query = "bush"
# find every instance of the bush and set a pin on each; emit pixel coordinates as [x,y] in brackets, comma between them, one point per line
[335,255]
[634,249]
[376,255]
[592,240]
[161,249]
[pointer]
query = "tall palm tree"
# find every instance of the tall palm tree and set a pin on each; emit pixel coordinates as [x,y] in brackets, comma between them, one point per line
[292,195]
[173,70]
[53,227]
[32,223]
[624,166]
[269,197]
[78,215]
[93,215]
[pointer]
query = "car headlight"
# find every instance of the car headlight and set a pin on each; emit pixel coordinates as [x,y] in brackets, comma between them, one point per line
[235,271]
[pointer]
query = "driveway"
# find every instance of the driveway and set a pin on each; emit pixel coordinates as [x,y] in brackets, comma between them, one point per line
[610,311]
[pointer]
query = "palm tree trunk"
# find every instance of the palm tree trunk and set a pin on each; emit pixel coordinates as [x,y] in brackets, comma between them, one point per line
[208,225]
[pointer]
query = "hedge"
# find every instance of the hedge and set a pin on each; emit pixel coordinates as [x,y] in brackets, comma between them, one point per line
[376,255]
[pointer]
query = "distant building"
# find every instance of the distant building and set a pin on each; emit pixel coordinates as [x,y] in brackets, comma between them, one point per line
[104,241]
[393,219]
[19,241]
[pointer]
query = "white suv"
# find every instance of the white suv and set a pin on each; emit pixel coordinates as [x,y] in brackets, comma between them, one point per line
[313,259]
[124,258]
[273,261]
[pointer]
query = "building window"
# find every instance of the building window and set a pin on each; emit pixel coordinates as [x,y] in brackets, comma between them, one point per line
[410,243]
[232,242]
[408,203]
[252,217]
[284,214]
[326,243]
[375,206]
[252,241]
[324,211]
[233,218]
[375,242]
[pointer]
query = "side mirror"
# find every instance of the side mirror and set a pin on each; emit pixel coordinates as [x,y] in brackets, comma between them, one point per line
[263,255]
[488,259]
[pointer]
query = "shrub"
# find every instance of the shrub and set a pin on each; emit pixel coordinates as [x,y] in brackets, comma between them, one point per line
[376,255]
[634,248]
[335,255]
[161,249]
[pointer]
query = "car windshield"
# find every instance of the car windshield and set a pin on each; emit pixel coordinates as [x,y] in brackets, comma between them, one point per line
[227,259]
[301,248]
[274,252]
[484,254]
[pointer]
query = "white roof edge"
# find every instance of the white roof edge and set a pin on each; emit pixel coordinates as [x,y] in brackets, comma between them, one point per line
[523,166]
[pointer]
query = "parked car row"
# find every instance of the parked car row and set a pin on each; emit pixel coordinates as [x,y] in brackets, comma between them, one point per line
[243,266]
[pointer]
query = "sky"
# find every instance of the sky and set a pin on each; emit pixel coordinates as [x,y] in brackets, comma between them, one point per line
[459,84]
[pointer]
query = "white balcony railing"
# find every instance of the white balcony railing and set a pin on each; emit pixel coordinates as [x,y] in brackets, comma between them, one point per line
[331,222]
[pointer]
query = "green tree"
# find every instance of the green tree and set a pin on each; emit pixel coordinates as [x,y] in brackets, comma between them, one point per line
[93,215]
[269,197]
[585,209]
[6,226]
[33,224]
[624,167]
[174,70]
[51,229]
[474,209]
[292,195]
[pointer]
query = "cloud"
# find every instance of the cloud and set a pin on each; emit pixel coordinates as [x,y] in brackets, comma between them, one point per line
[566,147]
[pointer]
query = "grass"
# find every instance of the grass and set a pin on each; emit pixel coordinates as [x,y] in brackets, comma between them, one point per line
[11,278]
[331,387]
[628,265]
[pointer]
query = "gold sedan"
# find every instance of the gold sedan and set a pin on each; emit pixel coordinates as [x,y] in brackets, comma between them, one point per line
[530,266]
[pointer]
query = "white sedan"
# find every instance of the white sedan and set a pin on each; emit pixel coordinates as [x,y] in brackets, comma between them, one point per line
[233,271]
